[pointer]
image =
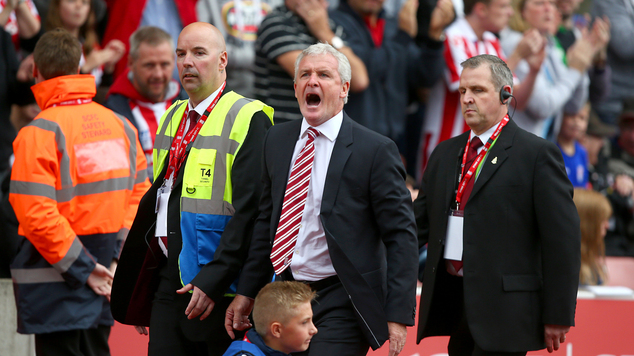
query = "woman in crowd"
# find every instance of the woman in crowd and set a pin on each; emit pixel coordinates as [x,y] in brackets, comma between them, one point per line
[594,213]
[78,18]
[562,82]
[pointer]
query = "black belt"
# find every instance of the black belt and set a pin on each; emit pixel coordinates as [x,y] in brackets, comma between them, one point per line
[322,283]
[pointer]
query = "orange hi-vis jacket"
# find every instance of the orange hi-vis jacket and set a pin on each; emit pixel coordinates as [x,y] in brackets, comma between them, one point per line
[78,176]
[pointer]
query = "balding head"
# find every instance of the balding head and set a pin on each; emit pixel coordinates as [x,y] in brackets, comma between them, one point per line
[201,57]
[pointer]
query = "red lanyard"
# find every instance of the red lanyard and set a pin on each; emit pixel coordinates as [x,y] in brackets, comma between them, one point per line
[179,145]
[72,102]
[464,178]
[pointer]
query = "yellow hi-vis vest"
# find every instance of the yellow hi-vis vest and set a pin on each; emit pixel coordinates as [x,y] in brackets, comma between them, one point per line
[206,197]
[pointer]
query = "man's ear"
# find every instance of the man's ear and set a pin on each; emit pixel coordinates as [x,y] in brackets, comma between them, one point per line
[480,8]
[223,61]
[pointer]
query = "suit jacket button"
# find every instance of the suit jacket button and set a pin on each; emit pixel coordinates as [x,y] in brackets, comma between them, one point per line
[433,269]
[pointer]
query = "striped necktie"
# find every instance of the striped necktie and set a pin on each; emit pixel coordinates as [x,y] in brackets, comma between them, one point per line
[293,205]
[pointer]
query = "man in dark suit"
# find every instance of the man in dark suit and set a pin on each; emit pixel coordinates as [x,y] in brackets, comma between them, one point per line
[352,239]
[179,266]
[504,251]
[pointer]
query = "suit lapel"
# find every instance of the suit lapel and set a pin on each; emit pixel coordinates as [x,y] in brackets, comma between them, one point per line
[496,157]
[281,157]
[340,154]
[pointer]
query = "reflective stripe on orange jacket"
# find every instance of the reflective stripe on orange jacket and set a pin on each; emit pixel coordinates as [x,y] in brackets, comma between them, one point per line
[78,176]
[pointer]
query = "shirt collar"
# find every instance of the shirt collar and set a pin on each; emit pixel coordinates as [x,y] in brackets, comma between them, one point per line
[486,135]
[203,105]
[329,129]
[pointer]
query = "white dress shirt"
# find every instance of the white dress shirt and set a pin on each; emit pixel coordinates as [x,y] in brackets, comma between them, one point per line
[311,260]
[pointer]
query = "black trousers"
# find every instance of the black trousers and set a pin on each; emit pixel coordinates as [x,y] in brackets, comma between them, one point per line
[167,337]
[461,341]
[87,342]
[338,329]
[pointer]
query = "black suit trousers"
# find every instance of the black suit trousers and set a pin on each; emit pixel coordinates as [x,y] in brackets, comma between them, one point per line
[338,330]
[167,337]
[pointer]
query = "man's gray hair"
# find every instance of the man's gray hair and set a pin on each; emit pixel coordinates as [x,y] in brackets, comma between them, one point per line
[343,65]
[501,75]
[151,35]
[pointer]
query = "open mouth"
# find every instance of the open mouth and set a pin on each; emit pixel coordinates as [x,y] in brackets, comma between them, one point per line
[313,100]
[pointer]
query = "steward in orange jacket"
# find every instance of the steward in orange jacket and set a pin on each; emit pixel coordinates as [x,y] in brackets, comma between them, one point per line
[78,176]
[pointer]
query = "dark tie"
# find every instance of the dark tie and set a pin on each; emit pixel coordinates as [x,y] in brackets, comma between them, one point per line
[293,205]
[193,119]
[471,156]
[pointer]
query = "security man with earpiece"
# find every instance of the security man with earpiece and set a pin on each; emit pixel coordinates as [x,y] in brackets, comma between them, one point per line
[497,212]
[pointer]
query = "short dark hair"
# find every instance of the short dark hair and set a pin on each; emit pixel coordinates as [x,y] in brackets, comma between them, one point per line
[470,4]
[57,53]
[501,75]
[150,35]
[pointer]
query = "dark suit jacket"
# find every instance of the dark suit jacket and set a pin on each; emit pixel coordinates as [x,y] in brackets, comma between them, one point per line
[521,243]
[367,217]
[137,277]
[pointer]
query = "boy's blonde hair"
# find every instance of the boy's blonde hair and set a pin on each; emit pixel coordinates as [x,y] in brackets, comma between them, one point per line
[276,301]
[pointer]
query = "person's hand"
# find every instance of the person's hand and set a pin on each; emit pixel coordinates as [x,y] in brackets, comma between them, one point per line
[113,267]
[600,33]
[100,280]
[441,17]
[554,336]
[114,50]
[624,185]
[531,43]
[142,330]
[535,60]
[315,14]
[407,18]
[25,71]
[200,304]
[237,315]
[12,4]
[581,53]
[398,335]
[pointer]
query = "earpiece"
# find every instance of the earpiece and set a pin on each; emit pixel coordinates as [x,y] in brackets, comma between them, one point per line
[504,96]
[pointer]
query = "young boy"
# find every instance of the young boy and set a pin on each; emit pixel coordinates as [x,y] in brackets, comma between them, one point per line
[283,319]
[573,128]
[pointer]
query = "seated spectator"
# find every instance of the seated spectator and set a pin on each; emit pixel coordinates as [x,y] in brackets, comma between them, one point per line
[283,319]
[594,211]
[282,36]
[239,22]
[620,55]
[596,141]
[22,21]
[570,30]
[562,81]
[620,238]
[126,16]
[77,17]
[394,61]
[573,128]
[146,89]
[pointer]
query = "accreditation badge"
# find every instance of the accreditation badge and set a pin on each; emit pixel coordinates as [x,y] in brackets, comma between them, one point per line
[453,242]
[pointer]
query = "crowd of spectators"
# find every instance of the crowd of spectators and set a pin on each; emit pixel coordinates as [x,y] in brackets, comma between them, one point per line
[573,74]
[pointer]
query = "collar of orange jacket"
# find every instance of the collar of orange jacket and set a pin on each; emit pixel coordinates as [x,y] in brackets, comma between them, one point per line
[68,87]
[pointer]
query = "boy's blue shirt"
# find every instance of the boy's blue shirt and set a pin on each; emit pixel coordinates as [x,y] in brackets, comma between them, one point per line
[253,345]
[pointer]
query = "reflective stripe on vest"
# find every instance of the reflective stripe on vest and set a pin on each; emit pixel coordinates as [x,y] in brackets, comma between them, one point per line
[206,194]
[69,191]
